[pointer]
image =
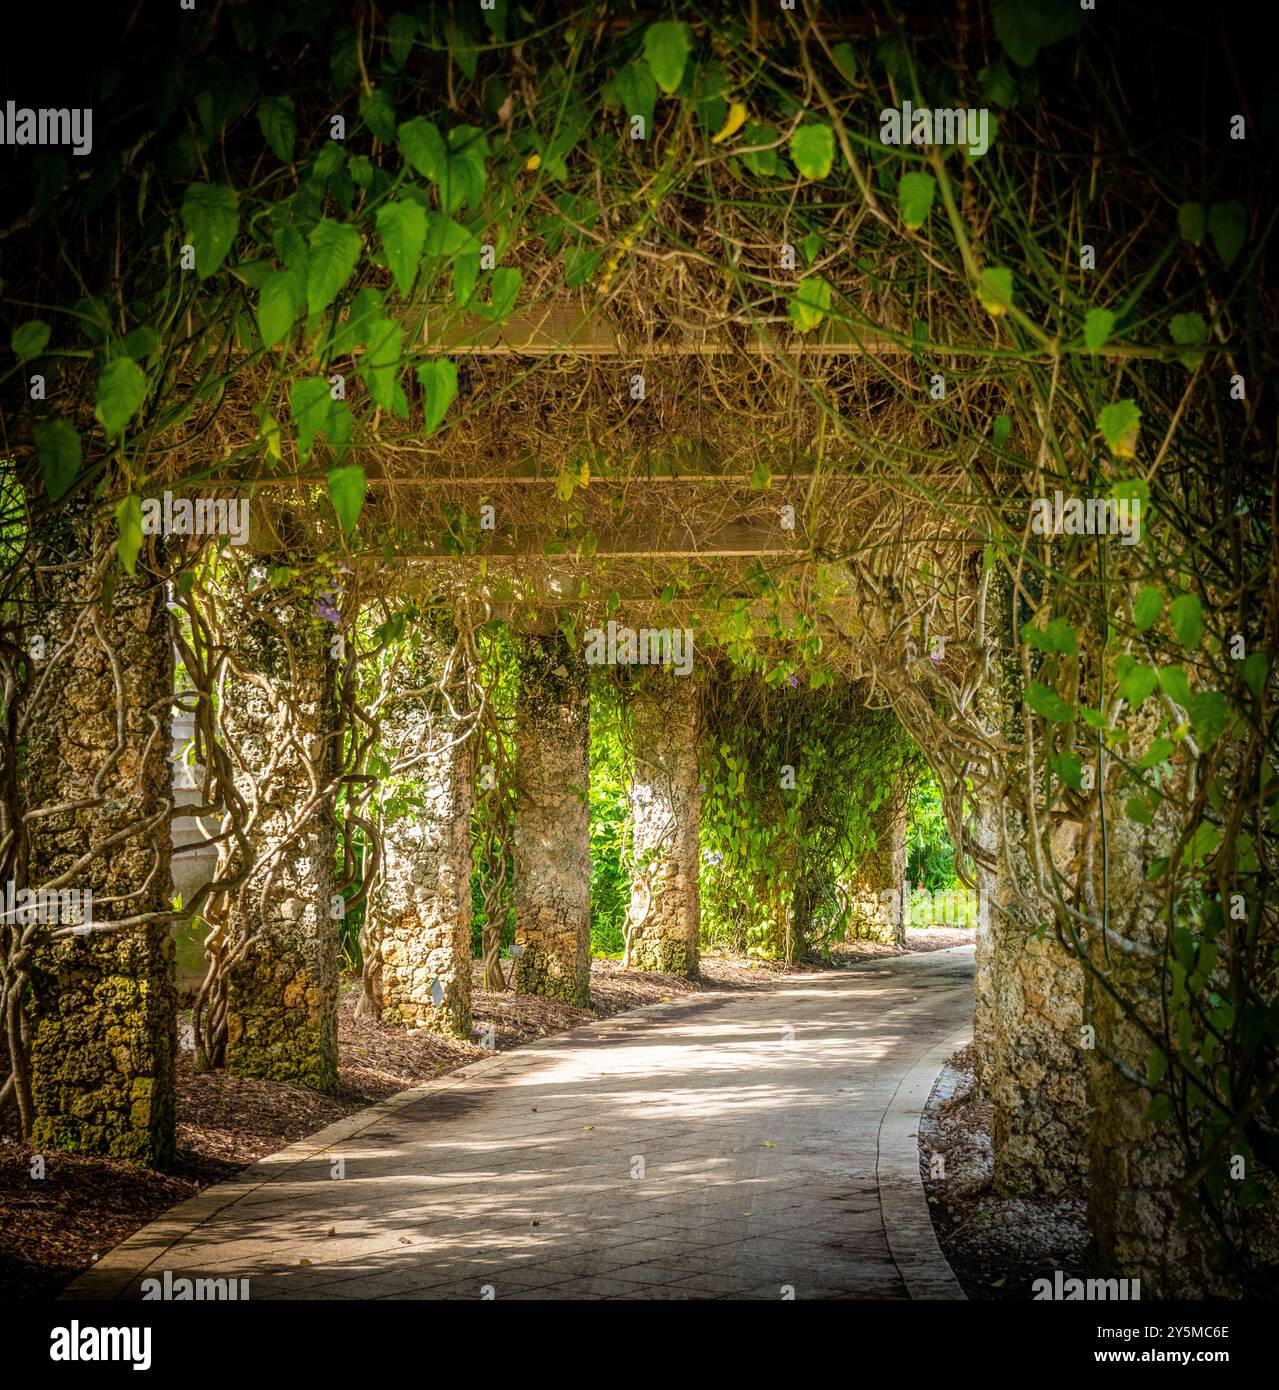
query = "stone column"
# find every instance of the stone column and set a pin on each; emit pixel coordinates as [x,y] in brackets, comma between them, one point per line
[1134,1165]
[552,821]
[279,714]
[666,806]
[879,870]
[1034,1063]
[102,1006]
[1032,1055]
[417,941]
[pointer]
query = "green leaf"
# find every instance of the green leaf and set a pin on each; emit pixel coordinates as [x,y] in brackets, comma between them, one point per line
[1202,844]
[1137,810]
[1061,636]
[128,520]
[1209,715]
[378,114]
[309,403]
[290,247]
[400,33]
[998,85]
[1138,685]
[335,248]
[1159,752]
[1159,1110]
[503,290]
[812,149]
[762,162]
[445,237]
[1173,682]
[141,342]
[347,487]
[422,146]
[122,388]
[580,266]
[810,303]
[30,339]
[279,304]
[278,119]
[845,57]
[1119,423]
[1044,700]
[1098,326]
[995,290]
[1192,222]
[211,218]
[915,195]
[380,365]
[1187,620]
[439,388]
[1023,27]
[1255,669]
[1070,768]
[58,449]
[999,435]
[1189,330]
[637,92]
[1156,1067]
[402,227]
[1058,637]
[666,49]
[1228,228]
[1147,608]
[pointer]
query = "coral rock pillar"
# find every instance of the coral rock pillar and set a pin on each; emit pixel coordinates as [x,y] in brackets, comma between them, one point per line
[279,713]
[666,808]
[418,938]
[1029,1019]
[880,870]
[552,821]
[102,1006]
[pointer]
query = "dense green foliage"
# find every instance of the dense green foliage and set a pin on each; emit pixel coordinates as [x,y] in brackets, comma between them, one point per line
[1082,306]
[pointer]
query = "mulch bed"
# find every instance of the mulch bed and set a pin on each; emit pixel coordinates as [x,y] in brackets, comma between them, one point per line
[52,1229]
[996,1245]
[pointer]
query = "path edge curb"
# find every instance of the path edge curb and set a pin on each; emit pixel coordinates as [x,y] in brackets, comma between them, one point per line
[908,1223]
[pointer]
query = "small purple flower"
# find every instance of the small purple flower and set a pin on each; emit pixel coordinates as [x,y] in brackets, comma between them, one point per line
[326,606]
[793,681]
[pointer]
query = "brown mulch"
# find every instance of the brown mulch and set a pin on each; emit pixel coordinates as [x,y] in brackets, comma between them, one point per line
[52,1229]
[996,1245]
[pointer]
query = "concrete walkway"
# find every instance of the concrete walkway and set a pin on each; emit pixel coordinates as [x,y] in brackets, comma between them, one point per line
[757,1145]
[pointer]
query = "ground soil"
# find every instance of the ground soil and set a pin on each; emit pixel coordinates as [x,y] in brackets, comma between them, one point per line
[54,1227]
[996,1245]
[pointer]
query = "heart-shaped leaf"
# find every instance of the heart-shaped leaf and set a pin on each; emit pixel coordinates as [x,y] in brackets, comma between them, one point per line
[402,227]
[812,149]
[122,387]
[347,487]
[211,218]
[915,195]
[439,388]
[58,449]
[666,49]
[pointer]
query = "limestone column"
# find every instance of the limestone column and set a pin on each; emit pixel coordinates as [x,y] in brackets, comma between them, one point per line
[417,941]
[552,821]
[1032,1057]
[279,716]
[666,807]
[101,1008]
[1134,1165]
[882,869]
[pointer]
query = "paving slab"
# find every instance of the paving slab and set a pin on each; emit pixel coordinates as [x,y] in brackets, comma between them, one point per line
[760,1144]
